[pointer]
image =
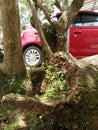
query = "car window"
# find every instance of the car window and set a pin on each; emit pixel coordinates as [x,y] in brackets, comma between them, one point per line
[78,20]
[85,19]
[90,20]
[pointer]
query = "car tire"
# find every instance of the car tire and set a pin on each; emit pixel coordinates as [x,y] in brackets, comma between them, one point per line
[32,56]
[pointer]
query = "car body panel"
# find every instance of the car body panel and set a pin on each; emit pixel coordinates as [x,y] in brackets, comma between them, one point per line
[83,41]
[30,36]
[83,34]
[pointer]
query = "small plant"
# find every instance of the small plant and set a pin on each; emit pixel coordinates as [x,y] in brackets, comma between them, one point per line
[3,116]
[38,121]
[15,86]
[12,126]
[57,86]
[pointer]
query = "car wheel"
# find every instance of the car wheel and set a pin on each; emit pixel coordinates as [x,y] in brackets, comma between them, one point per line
[32,56]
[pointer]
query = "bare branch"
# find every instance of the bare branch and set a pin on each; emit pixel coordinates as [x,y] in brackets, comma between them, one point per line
[40,4]
[57,4]
[61,5]
[1,2]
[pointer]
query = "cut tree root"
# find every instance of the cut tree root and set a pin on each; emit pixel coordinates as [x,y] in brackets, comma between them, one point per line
[35,104]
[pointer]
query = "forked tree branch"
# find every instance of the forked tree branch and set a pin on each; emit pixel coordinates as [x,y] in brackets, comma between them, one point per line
[68,16]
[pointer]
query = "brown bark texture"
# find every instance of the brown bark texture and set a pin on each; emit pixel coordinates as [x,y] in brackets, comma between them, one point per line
[13,64]
[46,47]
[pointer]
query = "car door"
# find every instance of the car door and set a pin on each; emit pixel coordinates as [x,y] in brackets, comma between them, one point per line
[84,35]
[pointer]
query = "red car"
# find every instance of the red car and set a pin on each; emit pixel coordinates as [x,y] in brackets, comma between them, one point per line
[83,34]
[83,39]
[31,45]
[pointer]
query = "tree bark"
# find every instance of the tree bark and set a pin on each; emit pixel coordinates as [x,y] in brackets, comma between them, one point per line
[13,64]
[46,47]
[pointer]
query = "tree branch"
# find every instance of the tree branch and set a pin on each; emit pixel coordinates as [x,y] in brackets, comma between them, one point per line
[57,4]
[40,4]
[40,31]
[68,17]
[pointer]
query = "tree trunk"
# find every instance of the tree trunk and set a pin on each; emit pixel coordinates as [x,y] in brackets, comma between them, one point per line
[13,64]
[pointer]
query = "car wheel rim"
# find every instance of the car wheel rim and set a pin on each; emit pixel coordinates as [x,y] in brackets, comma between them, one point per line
[32,57]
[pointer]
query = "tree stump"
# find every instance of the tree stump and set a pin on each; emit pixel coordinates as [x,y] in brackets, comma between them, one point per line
[77,109]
